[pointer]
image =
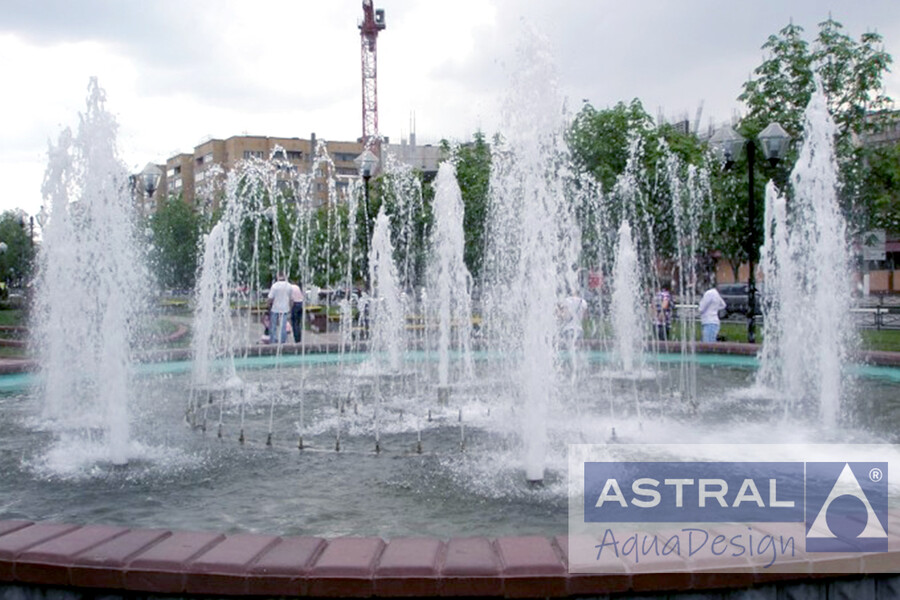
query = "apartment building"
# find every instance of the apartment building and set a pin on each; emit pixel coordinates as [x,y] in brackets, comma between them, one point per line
[190,176]
[196,177]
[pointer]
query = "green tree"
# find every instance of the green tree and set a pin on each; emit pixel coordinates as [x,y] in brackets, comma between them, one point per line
[625,141]
[176,231]
[600,139]
[881,187]
[17,260]
[783,83]
[852,75]
[473,173]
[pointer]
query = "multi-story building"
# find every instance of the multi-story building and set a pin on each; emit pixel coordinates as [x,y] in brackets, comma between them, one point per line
[188,176]
[192,176]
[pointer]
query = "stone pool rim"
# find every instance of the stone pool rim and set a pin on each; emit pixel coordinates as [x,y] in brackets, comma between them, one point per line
[104,558]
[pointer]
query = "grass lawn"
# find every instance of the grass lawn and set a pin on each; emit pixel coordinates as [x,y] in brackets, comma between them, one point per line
[871,339]
[884,340]
[13,316]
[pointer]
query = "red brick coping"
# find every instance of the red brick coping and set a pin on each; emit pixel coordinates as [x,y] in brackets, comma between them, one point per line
[159,561]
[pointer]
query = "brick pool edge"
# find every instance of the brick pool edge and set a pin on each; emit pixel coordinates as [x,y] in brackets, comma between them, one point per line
[92,558]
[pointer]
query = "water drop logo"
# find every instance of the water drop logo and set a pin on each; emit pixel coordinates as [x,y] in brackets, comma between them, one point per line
[846,507]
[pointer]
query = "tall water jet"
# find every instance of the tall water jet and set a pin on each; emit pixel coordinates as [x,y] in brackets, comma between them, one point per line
[810,271]
[450,278]
[626,305]
[212,298]
[90,288]
[532,237]
[385,308]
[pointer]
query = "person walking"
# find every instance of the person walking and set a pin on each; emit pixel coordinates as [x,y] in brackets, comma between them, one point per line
[280,308]
[297,312]
[663,314]
[710,305]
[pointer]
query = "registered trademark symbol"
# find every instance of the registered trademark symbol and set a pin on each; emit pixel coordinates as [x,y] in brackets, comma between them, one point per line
[875,474]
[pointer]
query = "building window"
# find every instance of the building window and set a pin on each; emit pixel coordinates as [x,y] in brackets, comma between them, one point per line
[253,154]
[294,155]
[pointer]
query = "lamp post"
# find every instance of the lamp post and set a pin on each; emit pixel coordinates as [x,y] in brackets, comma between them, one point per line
[150,177]
[366,164]
[727,142]
[42,218]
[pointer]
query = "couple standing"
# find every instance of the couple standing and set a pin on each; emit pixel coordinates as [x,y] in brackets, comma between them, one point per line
[285,299]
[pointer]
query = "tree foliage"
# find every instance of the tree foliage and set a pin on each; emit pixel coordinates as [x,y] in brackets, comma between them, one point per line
[852,75]
[473,173]
[17,260]
[635,162]
[176,231]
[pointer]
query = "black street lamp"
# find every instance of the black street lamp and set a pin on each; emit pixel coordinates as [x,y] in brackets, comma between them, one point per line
[366,163]
[727,142]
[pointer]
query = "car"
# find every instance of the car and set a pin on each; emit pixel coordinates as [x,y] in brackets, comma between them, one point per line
[737,298]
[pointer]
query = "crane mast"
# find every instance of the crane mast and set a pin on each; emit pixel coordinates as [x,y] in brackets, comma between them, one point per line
[372,23]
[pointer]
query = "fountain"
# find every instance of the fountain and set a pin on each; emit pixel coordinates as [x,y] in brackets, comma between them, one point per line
[388,333]
[92,291]
[532,246]
[806,263]
[451,468]
[450,277]
[628,330]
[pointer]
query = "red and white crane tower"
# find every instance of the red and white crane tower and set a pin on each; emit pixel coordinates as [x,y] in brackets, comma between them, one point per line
[372,23]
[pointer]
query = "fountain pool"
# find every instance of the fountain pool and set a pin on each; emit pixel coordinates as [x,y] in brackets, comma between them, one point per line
[192,479]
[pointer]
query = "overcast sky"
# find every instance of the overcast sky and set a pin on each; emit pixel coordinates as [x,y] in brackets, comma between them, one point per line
[177,72]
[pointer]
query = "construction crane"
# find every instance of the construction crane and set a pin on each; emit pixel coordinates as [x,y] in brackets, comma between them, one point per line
[372,23]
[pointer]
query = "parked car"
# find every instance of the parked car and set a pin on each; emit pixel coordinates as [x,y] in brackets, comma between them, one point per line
[737,298]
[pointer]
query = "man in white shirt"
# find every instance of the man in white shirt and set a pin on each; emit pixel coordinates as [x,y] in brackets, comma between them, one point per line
[280,308]
[296,312]
[574,308]
[709,308]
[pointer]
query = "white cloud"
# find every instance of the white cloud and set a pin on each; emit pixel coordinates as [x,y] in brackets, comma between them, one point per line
[176,72]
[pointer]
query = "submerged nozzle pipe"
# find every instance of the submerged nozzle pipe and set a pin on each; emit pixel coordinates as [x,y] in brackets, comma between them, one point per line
[269,439]
[241,438]
[300,443]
